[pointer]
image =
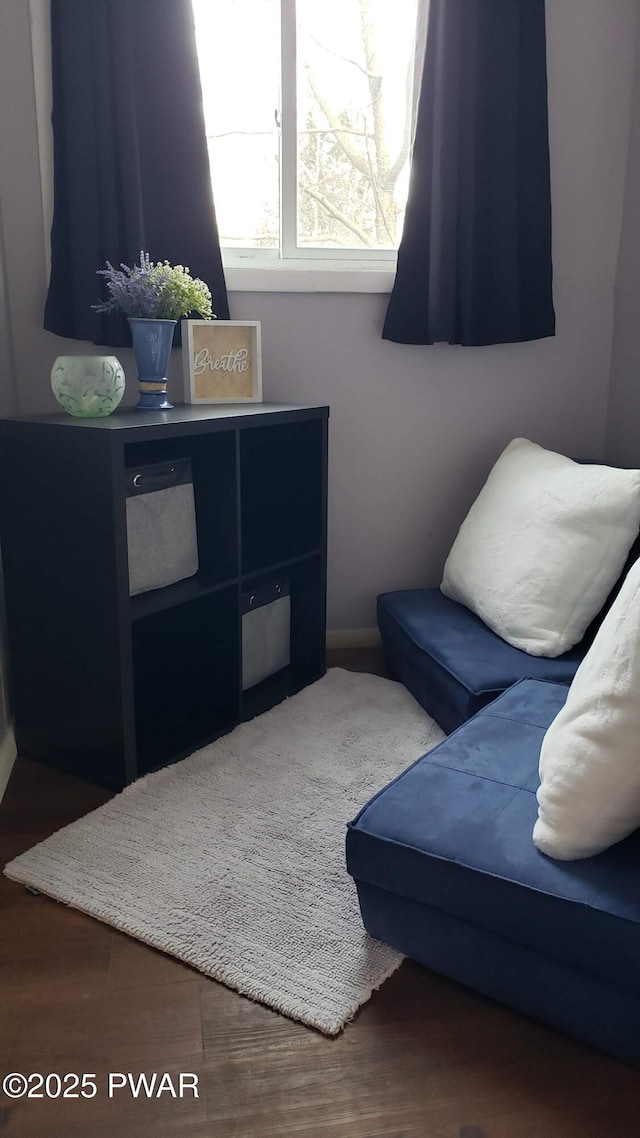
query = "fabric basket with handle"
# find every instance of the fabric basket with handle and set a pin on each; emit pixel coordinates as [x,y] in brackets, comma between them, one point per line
[266,632]
[161,524]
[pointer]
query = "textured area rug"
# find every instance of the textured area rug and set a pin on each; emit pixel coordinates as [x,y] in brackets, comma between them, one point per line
[233,859]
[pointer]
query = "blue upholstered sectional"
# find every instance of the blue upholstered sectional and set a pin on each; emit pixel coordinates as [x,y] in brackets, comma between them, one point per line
[453,664]
[450,661]
[443,857]
[447,873]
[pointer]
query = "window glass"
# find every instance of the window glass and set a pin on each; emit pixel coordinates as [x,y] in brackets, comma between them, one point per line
[349,103]
[239,55]
[354,96]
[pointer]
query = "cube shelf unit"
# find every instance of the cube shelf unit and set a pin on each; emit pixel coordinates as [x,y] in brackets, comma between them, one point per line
[108,686]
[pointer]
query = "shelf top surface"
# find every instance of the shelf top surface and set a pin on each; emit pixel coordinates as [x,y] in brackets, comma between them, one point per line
[129,419]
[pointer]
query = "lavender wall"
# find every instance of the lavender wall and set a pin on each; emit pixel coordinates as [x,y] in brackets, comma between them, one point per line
[7,407]
[623,429]
[413,430]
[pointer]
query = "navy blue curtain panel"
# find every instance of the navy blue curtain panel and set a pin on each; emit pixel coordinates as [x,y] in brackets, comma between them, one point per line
[131,169]
[474,264]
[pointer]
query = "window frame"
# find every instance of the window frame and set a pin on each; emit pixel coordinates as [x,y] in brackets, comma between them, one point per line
[294,268]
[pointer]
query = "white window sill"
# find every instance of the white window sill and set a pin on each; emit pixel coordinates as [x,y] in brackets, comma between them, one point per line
[334,277]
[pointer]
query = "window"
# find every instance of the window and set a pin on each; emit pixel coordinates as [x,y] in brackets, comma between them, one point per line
[308,115]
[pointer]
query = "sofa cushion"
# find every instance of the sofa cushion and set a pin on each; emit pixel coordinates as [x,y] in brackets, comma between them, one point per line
[453,833]
[450,661]
[589,795]
[543,545]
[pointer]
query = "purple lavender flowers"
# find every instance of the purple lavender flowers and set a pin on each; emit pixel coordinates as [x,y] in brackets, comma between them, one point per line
[154,291]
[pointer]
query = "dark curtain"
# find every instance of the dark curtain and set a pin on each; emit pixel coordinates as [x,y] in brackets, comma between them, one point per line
[131,169]
[474,264]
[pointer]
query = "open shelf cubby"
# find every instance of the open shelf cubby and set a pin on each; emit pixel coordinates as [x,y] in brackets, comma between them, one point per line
[282,513]
[185,676]
[213,467]
[110,686]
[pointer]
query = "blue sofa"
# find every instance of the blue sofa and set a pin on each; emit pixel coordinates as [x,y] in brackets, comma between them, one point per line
[453,664]
[450,661]
[447,872]
[444,860]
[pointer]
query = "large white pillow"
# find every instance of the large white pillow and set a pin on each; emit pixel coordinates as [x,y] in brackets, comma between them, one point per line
[589,795]
[542,546]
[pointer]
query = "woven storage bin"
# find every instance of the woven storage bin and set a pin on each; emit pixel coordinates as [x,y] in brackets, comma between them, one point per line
[266,632]
[161,525]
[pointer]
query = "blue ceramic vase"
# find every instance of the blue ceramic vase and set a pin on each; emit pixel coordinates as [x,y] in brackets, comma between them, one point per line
[152,340]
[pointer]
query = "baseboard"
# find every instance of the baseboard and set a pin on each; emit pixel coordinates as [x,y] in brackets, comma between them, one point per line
[353,638]
[8,754]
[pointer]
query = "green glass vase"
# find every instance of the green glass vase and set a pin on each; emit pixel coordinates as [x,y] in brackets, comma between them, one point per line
[88,387]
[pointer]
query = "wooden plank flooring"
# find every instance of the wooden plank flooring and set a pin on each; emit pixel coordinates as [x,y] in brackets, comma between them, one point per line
[424,1058]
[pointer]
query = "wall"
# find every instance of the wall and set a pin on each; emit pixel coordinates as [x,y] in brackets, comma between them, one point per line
[413,430]
[8,405]
[623,428]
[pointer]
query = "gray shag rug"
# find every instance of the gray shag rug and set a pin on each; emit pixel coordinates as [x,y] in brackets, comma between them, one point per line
[233,859]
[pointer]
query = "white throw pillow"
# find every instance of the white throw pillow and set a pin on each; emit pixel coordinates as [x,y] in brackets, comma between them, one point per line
[589,795]
[542,546]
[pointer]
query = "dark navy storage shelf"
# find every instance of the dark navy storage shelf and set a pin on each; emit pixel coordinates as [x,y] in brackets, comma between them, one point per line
[108,686]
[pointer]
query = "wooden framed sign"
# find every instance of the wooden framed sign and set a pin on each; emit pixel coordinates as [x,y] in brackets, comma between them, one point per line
[222,361]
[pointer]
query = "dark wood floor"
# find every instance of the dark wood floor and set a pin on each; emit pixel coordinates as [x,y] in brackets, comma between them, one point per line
[424,1058]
